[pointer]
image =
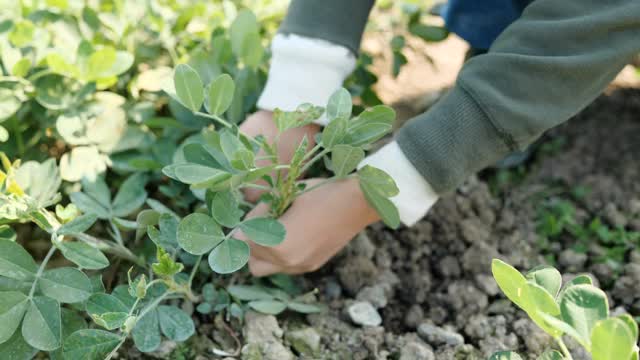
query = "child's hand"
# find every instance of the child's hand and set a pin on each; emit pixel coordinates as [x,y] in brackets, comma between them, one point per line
[261,123]
[319,224]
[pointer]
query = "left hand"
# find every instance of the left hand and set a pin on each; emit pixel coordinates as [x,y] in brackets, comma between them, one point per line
[319,224]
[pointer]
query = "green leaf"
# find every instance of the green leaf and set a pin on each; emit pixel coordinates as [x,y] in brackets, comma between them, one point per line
[78,225]
[631,324]
[551,355]
[243,159]
[146,334]
[111,320]
[505,355]
[303,115]
[378,180]
[84,255]
[272,307]
[21,68]
[100,62]
[383,206]
[199,154]
[9,103]
[15,262]
[611,339]
[90,344]
[167,237]
[429,33]
[249,292]
[582,306]
[194,173]
[339,105]
[252,51]
[166,266]
[548,277]
[22,33]
[90,205]
[225,208]
[345,159]
[334,132]
[131,195]
[304,308]
[371,125]
[13,305]
[221,92]
[264,231]
[7,233]
[101,303]
[578,280]
[231,255]
[189,87]
[4,134]
[67,285]
[41,327]
[199,233]
[537,301]
[16,348]
[512,283]
[175,323]
[244,23]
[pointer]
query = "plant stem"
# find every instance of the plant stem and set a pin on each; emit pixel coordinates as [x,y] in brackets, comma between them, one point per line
[41,270]
[194,271]
[311,152]
[326,182]
[313,160]
[155,303]
[18,135]
[257,186]
[564,349]
[214,117]
[116,233]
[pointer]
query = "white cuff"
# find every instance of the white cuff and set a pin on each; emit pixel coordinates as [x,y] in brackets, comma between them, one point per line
[416,196]
[304,70]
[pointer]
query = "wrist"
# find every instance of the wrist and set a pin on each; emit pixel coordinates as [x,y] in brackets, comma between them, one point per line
[367,215]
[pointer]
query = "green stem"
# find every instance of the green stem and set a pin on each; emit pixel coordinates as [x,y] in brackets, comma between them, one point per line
[326,182]
[18,134]
[313,151]
[41,270]
[194,271]
[256,186]
[564,349]
[116,233]
[40,74]
[155,303]
[214,117]
[313,160]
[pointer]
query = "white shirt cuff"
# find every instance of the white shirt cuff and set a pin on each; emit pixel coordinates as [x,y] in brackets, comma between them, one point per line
[304,70]
[416,196]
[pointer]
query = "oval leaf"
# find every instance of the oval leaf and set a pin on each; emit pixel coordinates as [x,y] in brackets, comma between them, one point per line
[146,334]
[41,327]
[505,355]
[13,305]
[272,307]
[339,105]
[67,285]
[15,262]
[231,255]
[221,92]
[548,277]
[189,87]
[611,339]
[199,233]
[175,323]
[101,303]
[90,344]
[345,158]
[582,306]
[264,231]
[84,255]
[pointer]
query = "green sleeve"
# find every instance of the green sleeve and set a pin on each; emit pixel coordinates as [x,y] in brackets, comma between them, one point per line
[337,21]
[547,66]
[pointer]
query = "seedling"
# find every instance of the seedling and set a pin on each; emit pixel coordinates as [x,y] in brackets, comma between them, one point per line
[578,309]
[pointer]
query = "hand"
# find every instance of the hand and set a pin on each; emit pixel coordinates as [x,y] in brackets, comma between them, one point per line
[319,224]
[261,123]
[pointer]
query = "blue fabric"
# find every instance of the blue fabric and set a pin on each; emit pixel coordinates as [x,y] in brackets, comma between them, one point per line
[480,22]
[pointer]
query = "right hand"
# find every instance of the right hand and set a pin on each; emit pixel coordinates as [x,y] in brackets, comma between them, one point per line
[261,123]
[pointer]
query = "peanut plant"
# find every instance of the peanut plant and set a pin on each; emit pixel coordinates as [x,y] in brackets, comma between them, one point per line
[578,309]
[116,175]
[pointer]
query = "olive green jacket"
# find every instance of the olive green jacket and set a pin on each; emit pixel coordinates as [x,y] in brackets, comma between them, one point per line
[543,69]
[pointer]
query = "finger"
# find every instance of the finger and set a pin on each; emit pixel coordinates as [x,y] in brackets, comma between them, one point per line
[260,268]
